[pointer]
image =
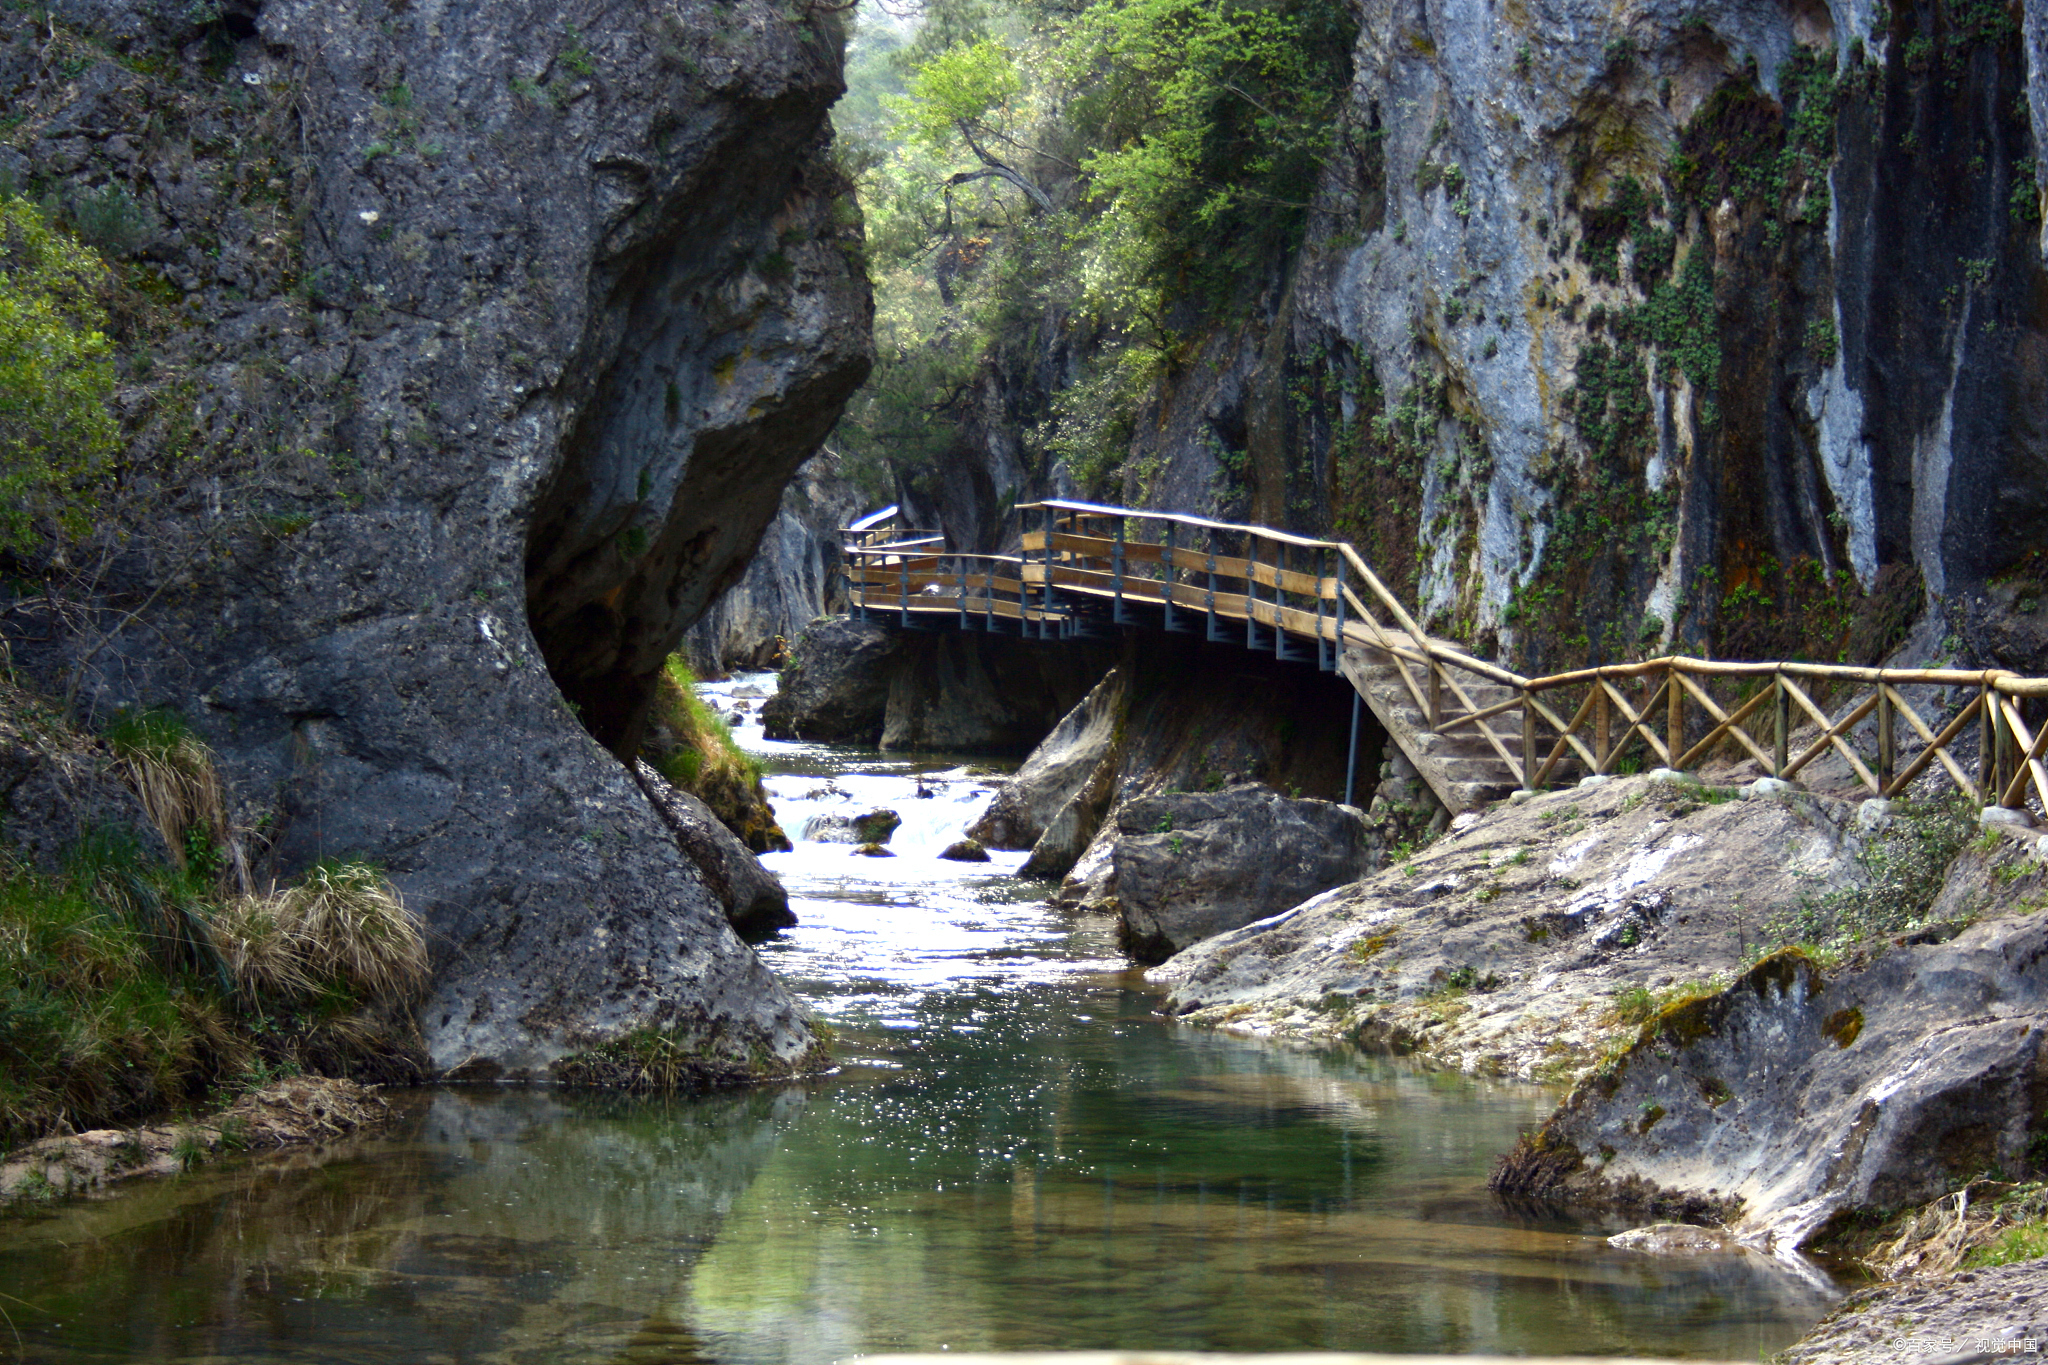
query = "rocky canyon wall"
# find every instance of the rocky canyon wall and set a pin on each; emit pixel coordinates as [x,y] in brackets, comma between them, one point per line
[1617,330]
[463,354]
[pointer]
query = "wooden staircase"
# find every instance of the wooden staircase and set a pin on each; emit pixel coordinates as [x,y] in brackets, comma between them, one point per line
[1457,762]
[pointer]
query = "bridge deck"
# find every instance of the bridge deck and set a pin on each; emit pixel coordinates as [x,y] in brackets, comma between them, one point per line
[1474,729]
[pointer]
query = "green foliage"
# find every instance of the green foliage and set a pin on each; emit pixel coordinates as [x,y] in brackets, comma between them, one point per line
[1097,170]
[690,745]
[1903,871]
[1212,122]
[56,377]
[123,992]
[971,86]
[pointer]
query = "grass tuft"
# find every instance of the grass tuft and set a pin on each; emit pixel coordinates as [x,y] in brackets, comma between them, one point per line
[172,772]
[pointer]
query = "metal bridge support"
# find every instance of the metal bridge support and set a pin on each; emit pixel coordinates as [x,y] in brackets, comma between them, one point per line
[1351,758]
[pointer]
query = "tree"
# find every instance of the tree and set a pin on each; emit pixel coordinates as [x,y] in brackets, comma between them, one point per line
[56,376]
[969,91]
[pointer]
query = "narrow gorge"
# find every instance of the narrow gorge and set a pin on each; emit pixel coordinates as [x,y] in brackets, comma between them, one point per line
[496,505]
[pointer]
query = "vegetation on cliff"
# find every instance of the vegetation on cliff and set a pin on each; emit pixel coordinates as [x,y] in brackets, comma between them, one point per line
[1100,185]
[691,745]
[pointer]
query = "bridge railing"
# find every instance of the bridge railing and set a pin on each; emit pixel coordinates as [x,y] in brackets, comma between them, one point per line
[1084,565]
[1788,715]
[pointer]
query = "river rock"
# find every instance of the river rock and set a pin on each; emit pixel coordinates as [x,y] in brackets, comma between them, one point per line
[1669,1239]
[1499,947]
[1980,1315]
[835,688]
[968,692]
[1796,1095]
[869,827]
[1192,865]
[874,851]
[1057,770]
[755,901]
[964,851]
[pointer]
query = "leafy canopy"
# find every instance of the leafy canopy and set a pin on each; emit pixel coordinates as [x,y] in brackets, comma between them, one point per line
[56,375]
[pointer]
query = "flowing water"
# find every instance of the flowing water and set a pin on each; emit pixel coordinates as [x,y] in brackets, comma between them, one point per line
[1015,1154]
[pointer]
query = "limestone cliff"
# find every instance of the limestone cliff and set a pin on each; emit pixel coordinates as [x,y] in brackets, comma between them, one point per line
[465,352]
[1624,328]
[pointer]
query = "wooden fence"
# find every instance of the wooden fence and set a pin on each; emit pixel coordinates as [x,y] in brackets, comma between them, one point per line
[1084,567]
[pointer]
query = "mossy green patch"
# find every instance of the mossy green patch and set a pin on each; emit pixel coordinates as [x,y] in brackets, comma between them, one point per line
[1843,1027]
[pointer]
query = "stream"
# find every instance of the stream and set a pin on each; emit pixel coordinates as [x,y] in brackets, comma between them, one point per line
[1015,1153]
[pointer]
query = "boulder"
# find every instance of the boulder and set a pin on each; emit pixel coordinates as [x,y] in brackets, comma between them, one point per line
[1191,865]
[1796,1095]
[836,687]
[1057,770]
[964,851]
[870,827]
[429,645]
[873,851]
[755,902]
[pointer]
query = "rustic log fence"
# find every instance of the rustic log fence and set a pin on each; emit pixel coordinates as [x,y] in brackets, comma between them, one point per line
[1084,569]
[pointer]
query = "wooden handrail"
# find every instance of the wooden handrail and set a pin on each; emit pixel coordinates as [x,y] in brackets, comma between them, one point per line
[1186,579]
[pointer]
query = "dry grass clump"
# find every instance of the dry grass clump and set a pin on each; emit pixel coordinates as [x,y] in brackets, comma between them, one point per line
[123,993]
[342,929]
[175,778]
[1986,1223]
[690,745]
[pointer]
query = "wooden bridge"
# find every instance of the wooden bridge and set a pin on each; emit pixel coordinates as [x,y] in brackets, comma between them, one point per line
[1474,730]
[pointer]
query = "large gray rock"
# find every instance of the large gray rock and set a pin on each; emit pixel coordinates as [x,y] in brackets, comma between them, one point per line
[1057,771]
[502,328]
[965,692]
[836,685]
[1791,1098]
[57,788]
[1499,947]
[1191,865]
[756,902]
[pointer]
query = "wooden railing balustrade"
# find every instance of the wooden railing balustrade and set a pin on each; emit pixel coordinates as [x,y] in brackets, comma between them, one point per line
[1084,568]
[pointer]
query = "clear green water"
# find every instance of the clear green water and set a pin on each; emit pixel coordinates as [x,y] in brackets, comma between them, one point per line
[1016,1155]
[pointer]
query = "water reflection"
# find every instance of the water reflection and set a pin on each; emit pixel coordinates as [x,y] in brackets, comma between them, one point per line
[1018,1154]
[493,1227]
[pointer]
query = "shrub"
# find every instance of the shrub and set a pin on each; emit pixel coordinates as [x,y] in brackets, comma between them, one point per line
[56,376]
[172,772]
[1903,870]
[122,993]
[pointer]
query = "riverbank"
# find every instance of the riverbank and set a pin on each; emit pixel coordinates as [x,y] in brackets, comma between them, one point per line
[288,1113]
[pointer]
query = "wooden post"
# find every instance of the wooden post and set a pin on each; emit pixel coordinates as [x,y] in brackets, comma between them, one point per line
[1340,609]
[1528,741]
[1052,522]
[1322,573]
[1119,610]
[1782,706]
[1166,568]
[1987,745]
[1436,694]
[1603,726]
[1251,590]
[1674,700]
[2008,753]
[1887,749]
